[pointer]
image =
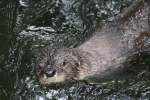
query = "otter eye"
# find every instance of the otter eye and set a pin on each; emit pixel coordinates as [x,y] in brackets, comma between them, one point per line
[39,67]
[64,63]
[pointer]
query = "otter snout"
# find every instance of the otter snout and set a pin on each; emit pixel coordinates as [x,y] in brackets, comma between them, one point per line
[50,72]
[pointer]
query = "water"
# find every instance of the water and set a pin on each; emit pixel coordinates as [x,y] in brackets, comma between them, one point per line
[27,26]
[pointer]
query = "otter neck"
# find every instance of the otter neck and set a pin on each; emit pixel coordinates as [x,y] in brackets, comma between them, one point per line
[106,53]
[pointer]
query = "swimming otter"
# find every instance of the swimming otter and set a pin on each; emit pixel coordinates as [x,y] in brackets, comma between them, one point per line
[102,56]
[62,66]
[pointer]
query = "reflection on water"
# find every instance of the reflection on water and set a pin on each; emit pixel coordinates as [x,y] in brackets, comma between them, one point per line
[26,26]
[24,3]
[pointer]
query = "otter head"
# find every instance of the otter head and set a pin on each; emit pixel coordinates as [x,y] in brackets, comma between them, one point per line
[57,67]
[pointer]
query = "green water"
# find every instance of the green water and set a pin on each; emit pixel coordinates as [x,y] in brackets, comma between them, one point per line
[27,26]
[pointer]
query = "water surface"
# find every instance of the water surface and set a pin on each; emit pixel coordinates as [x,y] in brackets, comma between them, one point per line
[27,26]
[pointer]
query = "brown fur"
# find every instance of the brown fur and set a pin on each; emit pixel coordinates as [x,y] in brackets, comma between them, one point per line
[140,41]
[103,55]
[73,64]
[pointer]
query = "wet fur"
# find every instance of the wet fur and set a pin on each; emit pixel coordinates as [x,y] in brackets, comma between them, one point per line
[103,55]
[72,62]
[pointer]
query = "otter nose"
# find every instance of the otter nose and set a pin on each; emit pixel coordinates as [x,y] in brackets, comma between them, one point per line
[50,72]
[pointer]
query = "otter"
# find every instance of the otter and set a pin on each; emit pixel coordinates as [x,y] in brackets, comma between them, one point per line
[102,56]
